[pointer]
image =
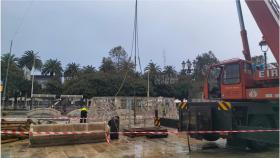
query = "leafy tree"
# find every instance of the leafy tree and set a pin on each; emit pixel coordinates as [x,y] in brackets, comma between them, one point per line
[202,63]
[127,65]
[107,65]
[183,87]
[25,87]
[52,67]
[28,59]
[106,82]
[118,54]
[72,70]
[258,59]
[54,87]
[92,84]
[165,90]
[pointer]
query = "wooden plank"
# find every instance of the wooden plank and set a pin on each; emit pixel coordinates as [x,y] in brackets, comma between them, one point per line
[9,140]
[17,122]
[147,129]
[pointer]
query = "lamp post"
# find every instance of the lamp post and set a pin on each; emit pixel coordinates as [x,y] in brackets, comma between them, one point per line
[189,65]
[32,82]
[148,96]
[183,72]
[264,49]
[183,64]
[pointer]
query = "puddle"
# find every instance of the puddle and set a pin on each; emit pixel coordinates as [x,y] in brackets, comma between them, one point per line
[138,150]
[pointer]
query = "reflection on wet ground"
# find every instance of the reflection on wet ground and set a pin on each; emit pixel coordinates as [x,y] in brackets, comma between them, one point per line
[173,146]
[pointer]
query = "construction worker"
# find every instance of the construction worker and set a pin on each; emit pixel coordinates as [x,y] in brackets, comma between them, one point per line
[84,112]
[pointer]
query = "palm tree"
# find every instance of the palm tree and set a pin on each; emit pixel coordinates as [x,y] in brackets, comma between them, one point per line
[170,72]
[7,56]
[88,69]
[72,70]
[153,68]
[28,59]
[52,67]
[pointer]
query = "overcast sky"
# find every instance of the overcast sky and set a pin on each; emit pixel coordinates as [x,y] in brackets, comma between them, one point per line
[85,31]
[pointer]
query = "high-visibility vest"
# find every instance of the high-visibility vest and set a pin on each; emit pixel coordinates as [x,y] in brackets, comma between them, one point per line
[84,109]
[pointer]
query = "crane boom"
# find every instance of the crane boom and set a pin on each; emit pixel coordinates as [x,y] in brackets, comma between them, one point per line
[243,32]
[266,15]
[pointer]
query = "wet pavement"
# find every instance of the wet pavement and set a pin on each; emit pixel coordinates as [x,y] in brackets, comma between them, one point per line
[173,146]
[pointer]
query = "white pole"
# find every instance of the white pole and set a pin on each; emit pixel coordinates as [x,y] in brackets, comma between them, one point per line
[148,96]
[33,67]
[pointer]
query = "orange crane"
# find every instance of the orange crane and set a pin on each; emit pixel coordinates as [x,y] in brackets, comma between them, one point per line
[235,79]
[237,97]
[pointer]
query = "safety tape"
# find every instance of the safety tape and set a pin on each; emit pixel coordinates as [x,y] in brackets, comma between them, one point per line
[107,136]
[58,118]
[13,132]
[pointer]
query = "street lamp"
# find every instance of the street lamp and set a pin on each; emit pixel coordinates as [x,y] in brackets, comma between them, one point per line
[189,65]
[183,64]
[264,48]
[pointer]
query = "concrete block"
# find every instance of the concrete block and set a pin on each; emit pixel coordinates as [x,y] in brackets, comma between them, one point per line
[97,133]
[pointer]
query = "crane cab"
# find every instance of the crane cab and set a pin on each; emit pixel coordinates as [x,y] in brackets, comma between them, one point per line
[228,80]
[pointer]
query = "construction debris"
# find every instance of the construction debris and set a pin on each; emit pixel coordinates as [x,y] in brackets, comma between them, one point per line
[43,113]
[16,126]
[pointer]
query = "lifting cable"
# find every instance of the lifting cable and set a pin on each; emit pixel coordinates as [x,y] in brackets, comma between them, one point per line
[10,51]
[23,19]
[134,46]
